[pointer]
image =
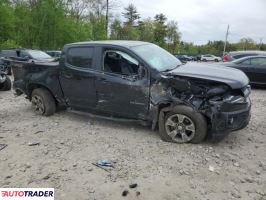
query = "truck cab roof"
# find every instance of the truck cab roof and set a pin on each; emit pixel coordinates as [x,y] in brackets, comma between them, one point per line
[121,43]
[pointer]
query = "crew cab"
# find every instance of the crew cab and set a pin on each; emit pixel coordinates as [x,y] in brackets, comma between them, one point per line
[139,81]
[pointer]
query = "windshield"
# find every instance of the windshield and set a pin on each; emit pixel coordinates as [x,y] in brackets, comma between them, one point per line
[35,54]
[157,57]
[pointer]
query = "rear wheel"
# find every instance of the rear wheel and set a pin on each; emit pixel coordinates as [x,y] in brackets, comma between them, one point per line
[216,60]
[182,125]
[43,102]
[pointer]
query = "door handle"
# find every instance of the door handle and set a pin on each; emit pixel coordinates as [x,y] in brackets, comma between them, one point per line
[68,76]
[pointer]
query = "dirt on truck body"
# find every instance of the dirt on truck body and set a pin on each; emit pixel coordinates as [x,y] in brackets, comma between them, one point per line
[139,81]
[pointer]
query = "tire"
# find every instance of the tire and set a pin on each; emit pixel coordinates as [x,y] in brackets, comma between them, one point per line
[216,60]
[204,60]
[43,102]
[191,119]
[6,86]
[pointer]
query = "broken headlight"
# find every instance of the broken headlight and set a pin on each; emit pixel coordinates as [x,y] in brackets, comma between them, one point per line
[234,99]
[228,98]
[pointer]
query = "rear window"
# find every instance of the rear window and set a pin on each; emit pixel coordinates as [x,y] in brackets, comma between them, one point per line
[80,56]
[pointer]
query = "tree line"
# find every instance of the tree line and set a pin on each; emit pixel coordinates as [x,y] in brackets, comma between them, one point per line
[49,24]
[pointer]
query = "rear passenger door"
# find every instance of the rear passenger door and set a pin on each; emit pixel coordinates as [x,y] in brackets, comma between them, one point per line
[77,77]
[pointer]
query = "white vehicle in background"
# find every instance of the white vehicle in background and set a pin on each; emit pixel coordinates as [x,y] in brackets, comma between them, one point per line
[209,57]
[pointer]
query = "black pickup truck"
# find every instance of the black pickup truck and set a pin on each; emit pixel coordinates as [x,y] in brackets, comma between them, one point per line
[139,81]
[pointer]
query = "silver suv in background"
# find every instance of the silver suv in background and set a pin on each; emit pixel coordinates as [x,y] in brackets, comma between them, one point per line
[209,57]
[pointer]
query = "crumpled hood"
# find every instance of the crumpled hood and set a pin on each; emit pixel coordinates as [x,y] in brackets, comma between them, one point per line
[233,77]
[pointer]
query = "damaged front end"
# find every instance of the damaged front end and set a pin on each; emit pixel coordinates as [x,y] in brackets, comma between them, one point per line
[224,108]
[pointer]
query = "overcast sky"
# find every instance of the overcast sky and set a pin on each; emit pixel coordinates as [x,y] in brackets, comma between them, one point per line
[203,20]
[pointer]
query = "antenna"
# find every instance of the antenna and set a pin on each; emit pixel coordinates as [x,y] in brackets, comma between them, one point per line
[226,37]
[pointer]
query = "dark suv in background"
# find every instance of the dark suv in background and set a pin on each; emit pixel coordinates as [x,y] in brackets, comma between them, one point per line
[21,54]
[233,55]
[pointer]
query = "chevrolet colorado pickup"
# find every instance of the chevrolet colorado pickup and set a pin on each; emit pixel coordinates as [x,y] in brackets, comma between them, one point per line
[139,81]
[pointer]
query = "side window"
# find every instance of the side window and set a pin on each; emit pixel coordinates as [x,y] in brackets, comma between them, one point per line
[120,63]
[258,61]
[246,62]
[80,57]
[23,54]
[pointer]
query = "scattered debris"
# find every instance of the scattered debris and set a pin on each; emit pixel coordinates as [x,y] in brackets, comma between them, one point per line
[211,168]
[38,132]
[33,143]
[8,177]
[133,185]
[100,167]
[2,146]
[105,163]
[137,193]
[47,177]
[125,193]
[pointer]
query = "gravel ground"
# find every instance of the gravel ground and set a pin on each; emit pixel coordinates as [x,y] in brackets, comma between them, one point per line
[67,144]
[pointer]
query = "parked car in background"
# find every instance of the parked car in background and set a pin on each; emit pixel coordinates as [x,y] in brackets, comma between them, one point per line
[54,54]
[241,54]
[185,58]
[5,81]
[209,57]
[181,57]
[4,66]
[139,81]
[22,55]
[253,66]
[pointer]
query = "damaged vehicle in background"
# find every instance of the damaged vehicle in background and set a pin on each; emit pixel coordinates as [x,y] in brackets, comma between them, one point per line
[139,81]
[5,81]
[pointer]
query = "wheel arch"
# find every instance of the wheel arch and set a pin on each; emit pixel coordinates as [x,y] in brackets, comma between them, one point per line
[163,106]
[33,86]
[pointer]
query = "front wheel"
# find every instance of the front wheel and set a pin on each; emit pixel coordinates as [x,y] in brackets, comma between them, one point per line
[182,125]
[43,102]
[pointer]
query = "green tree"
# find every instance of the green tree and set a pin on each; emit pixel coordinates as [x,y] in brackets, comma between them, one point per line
[160,29]
[131,15]
[173,36]
[116,30]
[7,28]
[146,30]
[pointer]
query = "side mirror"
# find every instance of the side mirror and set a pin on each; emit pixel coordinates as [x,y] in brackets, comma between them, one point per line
[141,71]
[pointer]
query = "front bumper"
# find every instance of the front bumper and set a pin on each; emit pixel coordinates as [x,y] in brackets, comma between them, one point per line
[229,117]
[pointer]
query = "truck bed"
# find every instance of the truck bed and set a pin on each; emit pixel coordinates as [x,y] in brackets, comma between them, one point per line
[21,69]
